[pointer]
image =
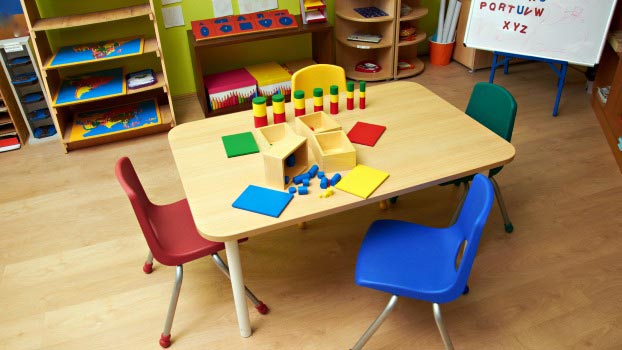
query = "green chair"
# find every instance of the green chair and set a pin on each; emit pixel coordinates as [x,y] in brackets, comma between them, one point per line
[495,108]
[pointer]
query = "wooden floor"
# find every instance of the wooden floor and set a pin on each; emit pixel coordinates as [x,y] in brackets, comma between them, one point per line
[71,250]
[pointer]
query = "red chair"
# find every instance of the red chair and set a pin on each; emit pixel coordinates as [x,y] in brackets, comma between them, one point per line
[172,238]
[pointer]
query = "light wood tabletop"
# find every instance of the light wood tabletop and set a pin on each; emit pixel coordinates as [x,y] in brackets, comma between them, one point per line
[427,141]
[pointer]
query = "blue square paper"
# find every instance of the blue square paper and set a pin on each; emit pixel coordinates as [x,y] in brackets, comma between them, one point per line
[263,201]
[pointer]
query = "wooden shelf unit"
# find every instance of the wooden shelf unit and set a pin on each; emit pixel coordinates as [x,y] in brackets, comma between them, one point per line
[609,73]
[322,44]
[389,50]
[63,115]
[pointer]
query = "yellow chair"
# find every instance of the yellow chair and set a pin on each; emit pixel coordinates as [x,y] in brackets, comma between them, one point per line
[319,76]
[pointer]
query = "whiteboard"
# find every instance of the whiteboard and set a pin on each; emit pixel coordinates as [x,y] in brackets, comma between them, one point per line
[564,30]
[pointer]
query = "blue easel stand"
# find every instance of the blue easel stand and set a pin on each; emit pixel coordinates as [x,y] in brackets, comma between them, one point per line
[561,72]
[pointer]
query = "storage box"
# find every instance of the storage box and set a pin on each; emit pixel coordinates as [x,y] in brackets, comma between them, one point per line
[271,79]
[230,88]
[277,143]
[333,151]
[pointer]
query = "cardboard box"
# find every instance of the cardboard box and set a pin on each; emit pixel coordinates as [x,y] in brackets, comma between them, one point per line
[271,79]
[230,88]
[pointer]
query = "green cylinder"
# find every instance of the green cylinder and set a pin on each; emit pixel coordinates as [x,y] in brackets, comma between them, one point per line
[278,98]
[318,92]
[299,94]
[362,86]
[350,86]
[334,90]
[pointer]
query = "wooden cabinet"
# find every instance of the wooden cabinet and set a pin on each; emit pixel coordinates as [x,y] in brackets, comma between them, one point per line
[25,87]
[137,18]
[11,121]
[608,109]
[469,57]
[389,50]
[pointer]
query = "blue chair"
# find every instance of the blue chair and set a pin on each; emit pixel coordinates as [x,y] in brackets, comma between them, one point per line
[431,264]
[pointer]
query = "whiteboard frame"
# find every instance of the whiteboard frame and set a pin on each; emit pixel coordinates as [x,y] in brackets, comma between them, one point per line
[551,57]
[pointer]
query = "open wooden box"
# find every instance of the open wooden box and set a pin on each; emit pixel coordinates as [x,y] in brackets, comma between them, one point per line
[333,151]
[315,123]
[278,142]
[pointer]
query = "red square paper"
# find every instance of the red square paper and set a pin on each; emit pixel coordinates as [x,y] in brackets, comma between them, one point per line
[366,134]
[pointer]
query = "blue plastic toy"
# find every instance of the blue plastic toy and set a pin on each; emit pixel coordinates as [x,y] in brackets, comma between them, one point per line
[335,179]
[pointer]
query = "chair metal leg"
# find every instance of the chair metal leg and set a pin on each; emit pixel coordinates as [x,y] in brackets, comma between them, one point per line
[148,266]
[165,338]
[259,305]
[454,218]
[441,327]
[376,324]
[506,218]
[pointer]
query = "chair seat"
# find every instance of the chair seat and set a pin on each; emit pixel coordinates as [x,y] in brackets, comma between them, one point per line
[409,260]
[177,234]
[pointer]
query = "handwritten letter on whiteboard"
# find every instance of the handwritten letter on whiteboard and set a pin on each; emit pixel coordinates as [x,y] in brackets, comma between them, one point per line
[565,30]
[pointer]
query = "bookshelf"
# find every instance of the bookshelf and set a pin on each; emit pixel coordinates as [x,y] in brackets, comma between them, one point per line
[390,50]
[136,14]
[11,122]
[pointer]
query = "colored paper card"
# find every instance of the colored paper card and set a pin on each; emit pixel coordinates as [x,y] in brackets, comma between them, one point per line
[115,120]
[91,86]
[222,8]
[173,16]
[362,181]
[240,144]
[263,200]
[365,133]
[103,50]
[250,6]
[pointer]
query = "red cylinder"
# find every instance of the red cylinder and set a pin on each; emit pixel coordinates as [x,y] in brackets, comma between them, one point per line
[318,108]
[334,108]
[350,104]
[261,121]
[279,118]
[298,112]
[362,103]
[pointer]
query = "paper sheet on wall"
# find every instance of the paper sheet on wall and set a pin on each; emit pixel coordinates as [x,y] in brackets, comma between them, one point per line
[168,2]
[249,6]
[173,17]
[222,8]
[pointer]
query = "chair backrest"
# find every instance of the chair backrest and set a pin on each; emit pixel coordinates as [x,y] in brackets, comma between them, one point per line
[495,108]
[126,175]
[319,75]
[470,225]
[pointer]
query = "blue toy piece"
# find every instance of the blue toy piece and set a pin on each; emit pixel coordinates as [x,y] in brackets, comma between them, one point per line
[335,179]
[324,183]
[263,201]
[286,179]
[44,131]
[314,170]
[303,190]
[305,182]
[297,179]
[415,261]
[290,161]
[26,78]
[18,61]
[292,189]
[39,114]
[320,174]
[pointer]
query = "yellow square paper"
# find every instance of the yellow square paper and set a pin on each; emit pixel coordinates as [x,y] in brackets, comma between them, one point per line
[362,181]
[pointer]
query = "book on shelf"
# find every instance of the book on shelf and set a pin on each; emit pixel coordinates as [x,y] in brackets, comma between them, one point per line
[365,37]
[9,142]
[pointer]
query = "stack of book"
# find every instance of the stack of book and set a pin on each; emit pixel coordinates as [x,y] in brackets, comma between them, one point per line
[313,11]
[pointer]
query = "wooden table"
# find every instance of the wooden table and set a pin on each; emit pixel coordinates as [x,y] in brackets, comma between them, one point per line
[428,141]
[322,46]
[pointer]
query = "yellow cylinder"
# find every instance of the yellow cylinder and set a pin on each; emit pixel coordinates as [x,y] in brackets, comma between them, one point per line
[362,94]
[334,98]
[259,107]
[350,94]
[318,101]
[278,107]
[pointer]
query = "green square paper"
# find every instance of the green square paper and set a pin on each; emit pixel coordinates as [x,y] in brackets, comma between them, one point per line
[240,144]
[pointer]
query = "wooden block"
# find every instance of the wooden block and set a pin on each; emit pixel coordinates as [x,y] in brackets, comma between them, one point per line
[333,151]
[314,123]
[277,142]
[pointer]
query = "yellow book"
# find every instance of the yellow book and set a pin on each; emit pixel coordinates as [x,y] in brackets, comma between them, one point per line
[362,181]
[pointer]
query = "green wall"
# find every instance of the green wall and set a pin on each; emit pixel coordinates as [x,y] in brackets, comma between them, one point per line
[175,42]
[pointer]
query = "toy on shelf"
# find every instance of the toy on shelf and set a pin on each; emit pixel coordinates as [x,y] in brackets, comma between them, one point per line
[362,85]
[313,11]
[260,115]
[263,201]
[405,65]
[230,88]
[23,79]
[39,114]
[284,153]
[271,78]
[350,95]
[99,51]
[407,32]
[114,120]
[140,79]
[32,97]
[44,131]
[318,100]
[367,67]
[278,108]
[242,24]
[334,99]
[370,12]
[365,37]
[315,123]
[240,144]
[333,151]
[91,86]
[299,103]
[19,61]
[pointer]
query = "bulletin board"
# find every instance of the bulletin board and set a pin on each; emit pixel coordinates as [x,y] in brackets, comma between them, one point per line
[565,30]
